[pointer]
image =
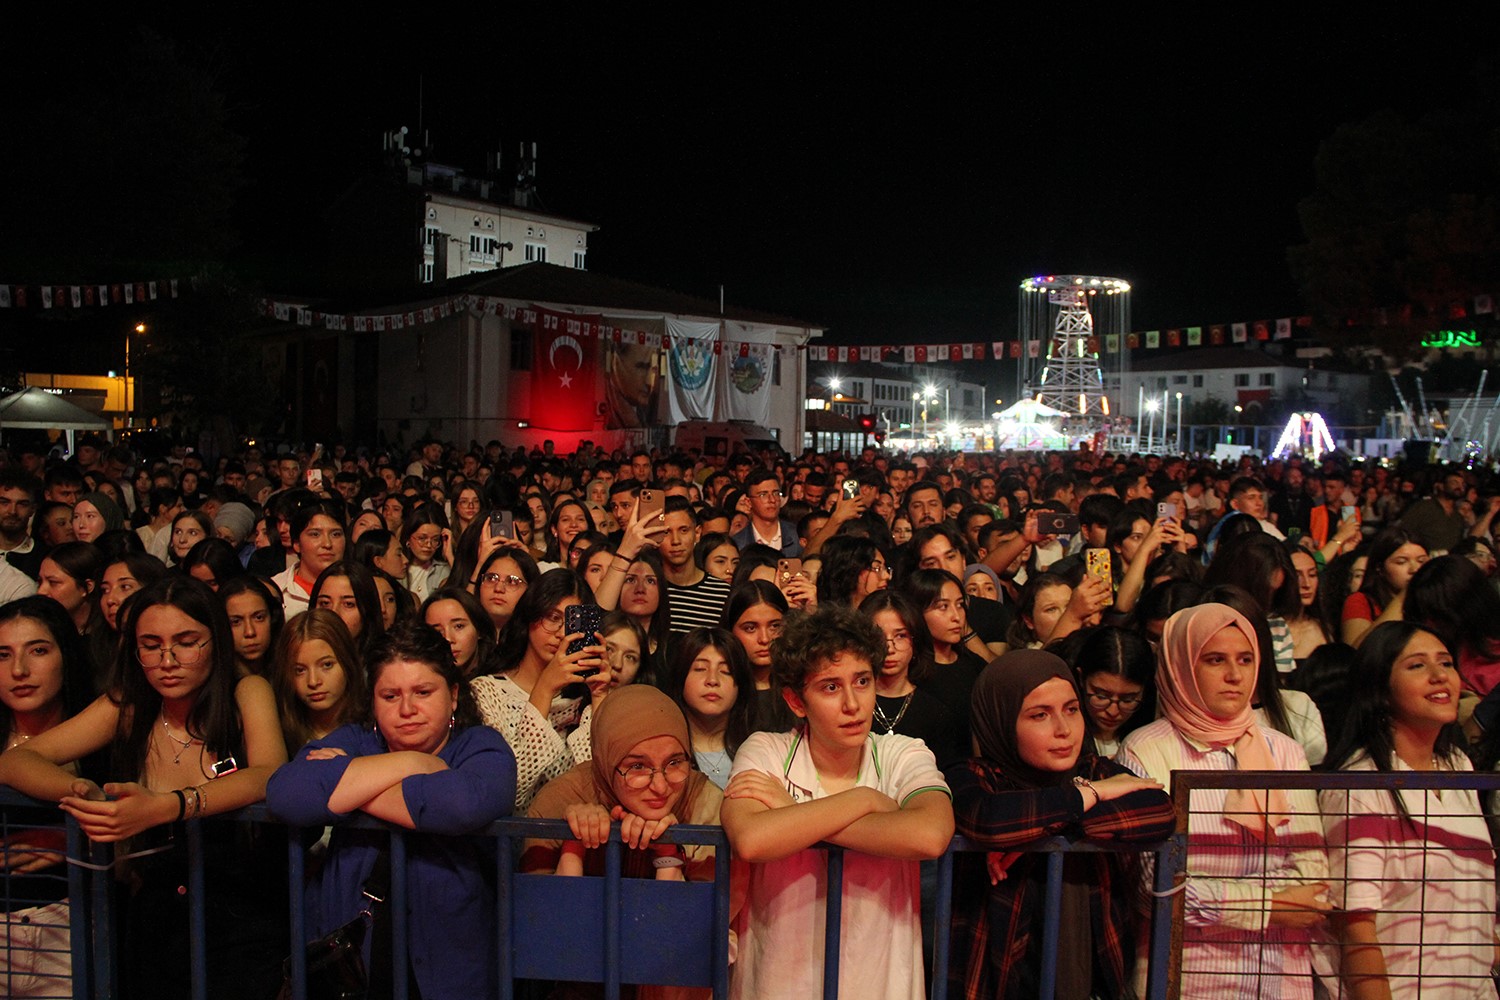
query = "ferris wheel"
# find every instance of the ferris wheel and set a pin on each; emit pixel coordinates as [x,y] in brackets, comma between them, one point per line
[1064,315]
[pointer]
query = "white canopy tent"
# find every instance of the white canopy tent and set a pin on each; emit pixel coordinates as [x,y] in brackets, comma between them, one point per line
[1030,424]
[37,409]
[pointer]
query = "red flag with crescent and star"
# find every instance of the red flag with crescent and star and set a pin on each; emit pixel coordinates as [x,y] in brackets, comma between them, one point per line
[564,371]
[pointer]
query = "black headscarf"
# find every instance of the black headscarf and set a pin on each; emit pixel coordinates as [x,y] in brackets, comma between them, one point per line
[999,693]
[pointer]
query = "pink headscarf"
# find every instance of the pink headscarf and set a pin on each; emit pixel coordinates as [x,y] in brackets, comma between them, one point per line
[1182,640]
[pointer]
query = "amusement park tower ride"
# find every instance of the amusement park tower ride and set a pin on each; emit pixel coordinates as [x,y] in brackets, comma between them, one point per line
[1081,308]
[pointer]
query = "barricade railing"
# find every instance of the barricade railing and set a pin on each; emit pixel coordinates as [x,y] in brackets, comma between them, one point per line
[626,942]
[44,902]
[1414,862]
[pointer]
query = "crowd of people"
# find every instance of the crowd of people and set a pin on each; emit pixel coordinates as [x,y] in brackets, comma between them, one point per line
[867,650]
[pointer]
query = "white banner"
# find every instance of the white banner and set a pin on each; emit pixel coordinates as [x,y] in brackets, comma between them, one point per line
[690,362]
[745,370]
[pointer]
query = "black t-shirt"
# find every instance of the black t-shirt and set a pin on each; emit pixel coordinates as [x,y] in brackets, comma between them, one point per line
[952,684]
[926,719]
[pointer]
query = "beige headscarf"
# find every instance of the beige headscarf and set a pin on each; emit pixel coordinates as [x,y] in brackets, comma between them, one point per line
[1182,640]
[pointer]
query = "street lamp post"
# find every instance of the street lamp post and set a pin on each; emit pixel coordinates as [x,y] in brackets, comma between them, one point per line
[1179,423]
[129,395]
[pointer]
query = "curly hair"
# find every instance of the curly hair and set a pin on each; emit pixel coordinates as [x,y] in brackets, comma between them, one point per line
[809,642]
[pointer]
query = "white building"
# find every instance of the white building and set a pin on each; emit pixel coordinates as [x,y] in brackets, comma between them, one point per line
[888,390]
[1235,376]
[470,225]
[471,375]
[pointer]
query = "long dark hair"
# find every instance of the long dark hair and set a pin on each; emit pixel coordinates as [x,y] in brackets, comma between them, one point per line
[657,634]
[77,680]
[248,583]
[1451,598]
[916,623]
[1367,722]
[366,598]
[554,553]
[550,589]
[1250,561]
[478,617]
[751,594]
[1020,634]
[1105,649]
[214,717]
[845,557]
[1382,547]
[742,713]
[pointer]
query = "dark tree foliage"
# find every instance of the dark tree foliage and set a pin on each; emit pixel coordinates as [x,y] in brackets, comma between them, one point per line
[124,165]
[1405,219]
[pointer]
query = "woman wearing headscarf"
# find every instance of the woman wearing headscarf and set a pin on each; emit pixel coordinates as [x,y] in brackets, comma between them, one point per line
[1032,780]
[1256,863]
[641,774]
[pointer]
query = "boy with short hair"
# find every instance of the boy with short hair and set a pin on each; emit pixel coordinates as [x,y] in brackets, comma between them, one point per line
[831,779]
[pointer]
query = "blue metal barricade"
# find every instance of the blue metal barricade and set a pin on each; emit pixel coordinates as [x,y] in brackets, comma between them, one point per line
[617,931]
[45,908]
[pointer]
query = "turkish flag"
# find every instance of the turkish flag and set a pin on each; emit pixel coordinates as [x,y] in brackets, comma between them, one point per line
[1015,348]
[564,373]
[955,352]
[921,354]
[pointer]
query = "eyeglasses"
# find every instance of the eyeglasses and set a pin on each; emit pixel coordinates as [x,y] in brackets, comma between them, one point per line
[878,567]
[676,771]
[766,495]
[552,621]
[184,654]
[898,639]
[507,581]
[1125,701]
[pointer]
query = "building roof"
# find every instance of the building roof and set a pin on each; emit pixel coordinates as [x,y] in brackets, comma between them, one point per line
[538,282]
[1200,358]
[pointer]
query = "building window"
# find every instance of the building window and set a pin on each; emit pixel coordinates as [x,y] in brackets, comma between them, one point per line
[968,397]
[1179,380]
[520,349]
[1268,378]
[427,272]
[579,259]
[1197,381]
[1242,380]
[536,252]
[1161,382]
[776,368]
[431,236]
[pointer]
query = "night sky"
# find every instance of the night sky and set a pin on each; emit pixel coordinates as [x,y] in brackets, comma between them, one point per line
[893,179]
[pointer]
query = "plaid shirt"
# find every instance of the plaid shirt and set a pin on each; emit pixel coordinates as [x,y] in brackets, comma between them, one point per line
[996,940]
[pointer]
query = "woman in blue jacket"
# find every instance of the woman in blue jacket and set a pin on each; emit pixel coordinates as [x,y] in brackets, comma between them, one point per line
[427,765]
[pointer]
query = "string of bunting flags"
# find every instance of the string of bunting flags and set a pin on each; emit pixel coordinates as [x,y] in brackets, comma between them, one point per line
[114,293]
[522,312]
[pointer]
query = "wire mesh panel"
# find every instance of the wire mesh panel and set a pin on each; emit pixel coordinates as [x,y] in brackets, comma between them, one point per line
[1366,881]
[36,960]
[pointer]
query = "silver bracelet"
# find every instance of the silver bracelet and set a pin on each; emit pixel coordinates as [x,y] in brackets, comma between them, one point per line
[1080,782]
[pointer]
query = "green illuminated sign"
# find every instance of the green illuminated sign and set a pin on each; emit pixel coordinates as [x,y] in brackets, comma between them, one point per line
[1451,338]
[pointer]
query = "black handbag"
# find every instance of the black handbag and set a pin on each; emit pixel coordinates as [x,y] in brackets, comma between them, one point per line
[336,961]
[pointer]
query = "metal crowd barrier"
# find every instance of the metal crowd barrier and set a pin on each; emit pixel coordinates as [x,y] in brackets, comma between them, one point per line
[671,933]
[1324,949]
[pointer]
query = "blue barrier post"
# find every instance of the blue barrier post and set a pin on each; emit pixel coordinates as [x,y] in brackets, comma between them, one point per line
[396,907]
[942,921]
[101,916]
[505,930]
[612,916]
[833,923]
[721,919]
[1051,917]
[295,867]
[197,922]
[1171,870]
[78,910]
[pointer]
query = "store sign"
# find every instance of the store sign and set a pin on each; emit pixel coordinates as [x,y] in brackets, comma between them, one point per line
[1451,338]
